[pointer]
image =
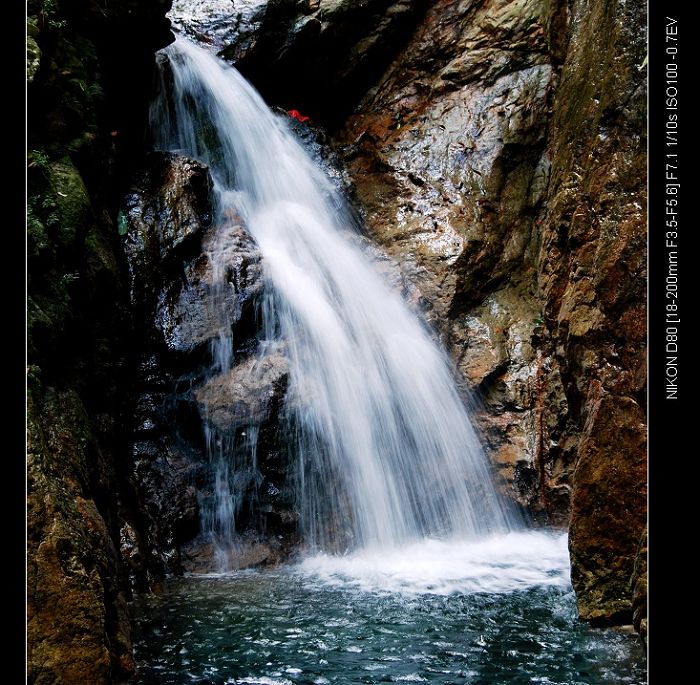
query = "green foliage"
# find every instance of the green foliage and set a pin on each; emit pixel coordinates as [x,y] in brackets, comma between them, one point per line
[38,159]
[57,25]
[49,8]
[37,239]
[49,15]
[33,377]
[33,49]
[93,91]
[42,209]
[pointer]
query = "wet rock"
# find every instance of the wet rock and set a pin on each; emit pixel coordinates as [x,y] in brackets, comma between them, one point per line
[233,25]
[320,57]
[195,310]
[447,155]
[246,394]
[197,286]
[165,476]
[194,278]
[497,358]
[500,161]
[199,557]
[638,583]
[608,512]
[592,274]
[165,216]
[316,142]
[450,189]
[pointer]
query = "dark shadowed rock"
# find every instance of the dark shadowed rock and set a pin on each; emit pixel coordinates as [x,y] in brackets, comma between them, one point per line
[193,311]
[321,56]
[638,583]
[165,215]
[79,331]
[196,283]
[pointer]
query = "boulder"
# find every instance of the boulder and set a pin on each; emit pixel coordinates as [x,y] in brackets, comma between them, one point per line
[246,394]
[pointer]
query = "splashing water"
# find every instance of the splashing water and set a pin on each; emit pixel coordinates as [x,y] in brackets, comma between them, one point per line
[385,454]
[328,621]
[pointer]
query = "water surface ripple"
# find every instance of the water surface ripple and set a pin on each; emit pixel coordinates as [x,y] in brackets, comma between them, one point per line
[353,620]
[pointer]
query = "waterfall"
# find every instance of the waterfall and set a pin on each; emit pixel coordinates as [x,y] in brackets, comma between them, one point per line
[380,441]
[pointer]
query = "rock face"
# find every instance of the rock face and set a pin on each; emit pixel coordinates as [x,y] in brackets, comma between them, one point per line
[243,394]
[497,154]
[449,157]
[639,588]
[593,276]
[79,331]
[205,383]
[232,25]
[318,56]
[165,216]
[500,160]
[78,629]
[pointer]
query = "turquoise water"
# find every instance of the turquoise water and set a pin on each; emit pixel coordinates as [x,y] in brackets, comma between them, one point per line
[299,624]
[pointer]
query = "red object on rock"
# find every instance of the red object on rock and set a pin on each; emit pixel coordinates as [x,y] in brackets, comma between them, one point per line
[295,114]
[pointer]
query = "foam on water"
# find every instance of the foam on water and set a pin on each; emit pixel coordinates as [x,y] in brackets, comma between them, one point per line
[497,564]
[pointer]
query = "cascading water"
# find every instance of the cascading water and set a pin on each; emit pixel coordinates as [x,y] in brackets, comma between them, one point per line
[382,445]
[383,455]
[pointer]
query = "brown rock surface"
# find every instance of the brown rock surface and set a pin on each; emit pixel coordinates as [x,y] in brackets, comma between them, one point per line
[77,625]
[246,393]
[500,160]
[448,154]
[608,507]
[592,276]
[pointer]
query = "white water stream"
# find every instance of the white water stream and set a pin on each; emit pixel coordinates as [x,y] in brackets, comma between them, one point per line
[384,445]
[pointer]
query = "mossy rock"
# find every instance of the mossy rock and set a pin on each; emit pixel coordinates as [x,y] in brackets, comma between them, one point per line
[73,209]
[38,242]
[99,255]
[33,49]
[47,317]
